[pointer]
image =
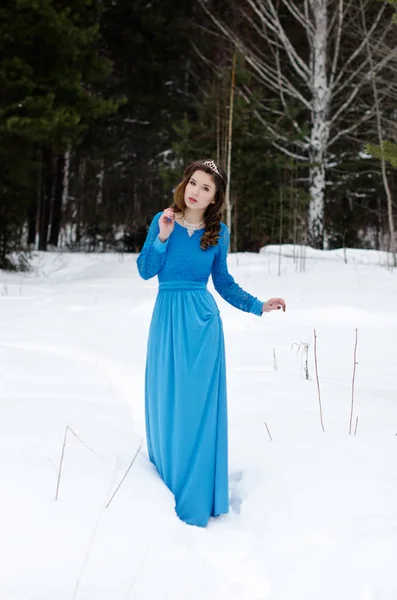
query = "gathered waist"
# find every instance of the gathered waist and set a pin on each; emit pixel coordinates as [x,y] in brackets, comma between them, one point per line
[182,286]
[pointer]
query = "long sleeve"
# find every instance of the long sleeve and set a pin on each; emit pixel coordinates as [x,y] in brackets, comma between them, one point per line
[152,256]
[225,284]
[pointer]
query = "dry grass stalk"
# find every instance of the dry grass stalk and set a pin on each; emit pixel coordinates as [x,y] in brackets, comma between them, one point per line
[125,475]
[94,532]
[318,382]
[274,359]
[304,348]
[61,462]
[67,429]
[137,573]
[353,383]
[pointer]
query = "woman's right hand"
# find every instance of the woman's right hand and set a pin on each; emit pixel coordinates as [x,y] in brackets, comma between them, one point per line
[166,224]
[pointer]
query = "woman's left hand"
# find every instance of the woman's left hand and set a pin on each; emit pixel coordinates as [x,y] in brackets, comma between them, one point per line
[274,304]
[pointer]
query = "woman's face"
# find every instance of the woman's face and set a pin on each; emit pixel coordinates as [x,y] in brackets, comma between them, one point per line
[200,191]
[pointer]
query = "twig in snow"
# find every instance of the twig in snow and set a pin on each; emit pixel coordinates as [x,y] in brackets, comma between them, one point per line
[67,428]
[304,347]
[81,442]
[318,383]
[274,359]
[61,462]
[306,360]
[355,430]
[271,439]
[137,572]
[353,382]
[76,589]
[126,473]
[52,464]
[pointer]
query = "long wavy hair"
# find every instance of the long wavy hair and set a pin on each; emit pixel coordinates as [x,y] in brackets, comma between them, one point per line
[213,212]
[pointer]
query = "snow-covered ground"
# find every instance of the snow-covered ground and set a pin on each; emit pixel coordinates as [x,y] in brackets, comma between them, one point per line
[313,514]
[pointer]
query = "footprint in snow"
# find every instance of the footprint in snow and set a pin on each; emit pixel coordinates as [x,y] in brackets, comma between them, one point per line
[235,496]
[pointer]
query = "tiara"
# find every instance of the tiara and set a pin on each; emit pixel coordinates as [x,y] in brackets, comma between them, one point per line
[212,165]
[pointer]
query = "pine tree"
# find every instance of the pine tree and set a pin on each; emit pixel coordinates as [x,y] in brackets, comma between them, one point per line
[50,69]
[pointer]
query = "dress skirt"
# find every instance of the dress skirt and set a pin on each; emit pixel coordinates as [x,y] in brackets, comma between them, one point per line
[185,397]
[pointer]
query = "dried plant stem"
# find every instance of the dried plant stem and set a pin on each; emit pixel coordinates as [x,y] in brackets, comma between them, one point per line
[67,429]
[271,439]
[137,573]
[355,430]
[61,462]
[126,473]
[93,534]
[353,383]
[305,360]
[229,142]
[318,382]
[84,444]
[304,348]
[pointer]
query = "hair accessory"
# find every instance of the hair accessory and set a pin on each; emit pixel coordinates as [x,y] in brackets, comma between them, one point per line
[212,165]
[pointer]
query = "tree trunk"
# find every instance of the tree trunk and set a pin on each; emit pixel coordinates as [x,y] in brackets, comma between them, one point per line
[319,135]
[57,203]
[33,210]
[80,199]
[46,197]
[66,171]
[229,146]
[65,196]
[32,219]
[235,211]
[100,176]
[295,68]
[392,240]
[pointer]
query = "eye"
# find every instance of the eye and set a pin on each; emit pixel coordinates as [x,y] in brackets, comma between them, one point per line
[206,189]
[192,182]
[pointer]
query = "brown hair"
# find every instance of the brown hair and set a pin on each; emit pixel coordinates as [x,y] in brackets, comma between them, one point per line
[213,212]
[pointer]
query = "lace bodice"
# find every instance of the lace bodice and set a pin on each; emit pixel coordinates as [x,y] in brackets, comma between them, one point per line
[181,258]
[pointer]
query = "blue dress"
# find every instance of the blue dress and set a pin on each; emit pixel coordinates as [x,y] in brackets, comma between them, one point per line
[185,383]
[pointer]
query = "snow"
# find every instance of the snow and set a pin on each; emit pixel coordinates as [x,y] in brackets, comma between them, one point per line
[313,514]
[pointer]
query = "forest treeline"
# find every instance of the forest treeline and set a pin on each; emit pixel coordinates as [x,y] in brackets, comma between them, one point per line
[103,103]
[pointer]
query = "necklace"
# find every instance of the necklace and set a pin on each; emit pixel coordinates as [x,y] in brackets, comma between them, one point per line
[191,227]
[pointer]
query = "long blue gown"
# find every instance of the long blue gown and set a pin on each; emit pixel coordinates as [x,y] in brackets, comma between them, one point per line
[185,384]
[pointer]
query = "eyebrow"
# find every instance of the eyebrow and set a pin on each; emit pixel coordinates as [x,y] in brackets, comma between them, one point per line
[207,184]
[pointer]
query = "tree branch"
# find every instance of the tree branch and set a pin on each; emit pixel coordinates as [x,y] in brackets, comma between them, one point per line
[337,44]
[352,128]
[360,47]
[271,19]
[301,18]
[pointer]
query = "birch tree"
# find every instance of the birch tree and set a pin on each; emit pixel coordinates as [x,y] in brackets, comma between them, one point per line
[300,56]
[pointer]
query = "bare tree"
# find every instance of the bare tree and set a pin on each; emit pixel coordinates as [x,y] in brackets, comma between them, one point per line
[392,243]
[301,51]
[229,144]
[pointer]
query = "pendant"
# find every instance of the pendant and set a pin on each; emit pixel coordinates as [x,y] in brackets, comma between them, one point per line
[192,227]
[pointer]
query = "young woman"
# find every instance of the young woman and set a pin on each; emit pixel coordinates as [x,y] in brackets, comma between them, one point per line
[185,397]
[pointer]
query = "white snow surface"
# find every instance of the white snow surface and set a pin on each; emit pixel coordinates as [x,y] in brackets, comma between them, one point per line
[313,514]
